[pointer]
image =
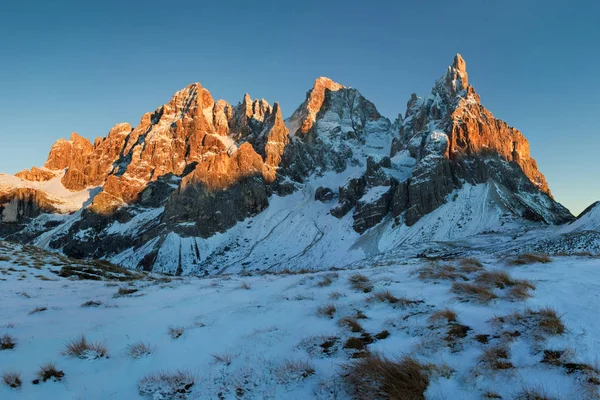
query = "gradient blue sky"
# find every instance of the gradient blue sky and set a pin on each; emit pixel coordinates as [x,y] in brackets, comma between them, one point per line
[72,66]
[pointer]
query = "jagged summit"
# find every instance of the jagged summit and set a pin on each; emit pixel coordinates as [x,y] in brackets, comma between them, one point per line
[458,71]
[304,117]
[202,186]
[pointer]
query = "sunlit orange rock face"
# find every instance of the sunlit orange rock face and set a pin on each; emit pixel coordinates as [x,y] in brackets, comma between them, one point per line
[190,131]
[315,100]
[36,175]
[476,130]
[455,139]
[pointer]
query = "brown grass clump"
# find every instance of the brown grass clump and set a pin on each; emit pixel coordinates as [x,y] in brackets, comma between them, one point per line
[496,358]
[520,291]
[12,379]
[326,281]
[540,323]
[498,279]
[446,315]
[167,385]
[7,342]
[360,282]
[290,370]
[176,331]
[382,335]
[326,310]
[378,377]
[38,309]
[473,292]
[49,371]
[469,265]
[533,394]
[350,323]
[125,291]
[139,350]
[530,258]
[387,297]
[336,295]
[548,321]
[358,343]
[91,303]
[81,348]
[434,272]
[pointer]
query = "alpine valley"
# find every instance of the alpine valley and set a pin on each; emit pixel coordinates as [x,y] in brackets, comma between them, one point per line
[201,187]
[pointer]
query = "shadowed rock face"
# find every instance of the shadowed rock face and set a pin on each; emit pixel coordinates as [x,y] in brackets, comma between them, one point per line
[21,204]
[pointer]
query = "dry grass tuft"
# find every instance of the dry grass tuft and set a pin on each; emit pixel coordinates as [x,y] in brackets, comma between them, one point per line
[530,258]
[498,279]
[139,350]
[291,370]
[378,377]
[473,292]
[326,310]
[49,371]
[533,394]
[326,281]
[167,385]
[434,272]
[176,331]
[223,358]
[7,342]
[360,282]
[81,348]
[387,297]
[470,265]
[351,323]
[336,295]
[358,343]
[549,321]
[91,303]
[496,358]
[123,291]
[12,379]
[382,335]
[446,315]
[38,309]
[520,291]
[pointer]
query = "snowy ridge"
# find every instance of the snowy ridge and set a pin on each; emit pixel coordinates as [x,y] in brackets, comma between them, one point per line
[64,200]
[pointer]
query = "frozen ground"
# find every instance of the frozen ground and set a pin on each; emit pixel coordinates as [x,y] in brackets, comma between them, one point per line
[272,336]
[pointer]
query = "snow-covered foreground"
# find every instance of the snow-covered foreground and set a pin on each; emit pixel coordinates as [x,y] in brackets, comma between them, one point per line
[283,336]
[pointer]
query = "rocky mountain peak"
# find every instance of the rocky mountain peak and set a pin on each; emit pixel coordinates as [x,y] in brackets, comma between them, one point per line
[314,100]
[458,71]
[455,139]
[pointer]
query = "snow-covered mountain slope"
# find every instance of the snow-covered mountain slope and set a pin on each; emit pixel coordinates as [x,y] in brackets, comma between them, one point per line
[60,198]
[299,336]
[203,187]
[588,220]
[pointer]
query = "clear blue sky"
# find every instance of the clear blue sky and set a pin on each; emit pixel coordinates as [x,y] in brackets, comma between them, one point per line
[83,66]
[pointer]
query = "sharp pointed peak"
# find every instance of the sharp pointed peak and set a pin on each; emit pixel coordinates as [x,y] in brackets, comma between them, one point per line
[324,82]
[459,63]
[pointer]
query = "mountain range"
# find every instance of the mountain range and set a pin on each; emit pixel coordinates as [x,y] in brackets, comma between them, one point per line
[205,187]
